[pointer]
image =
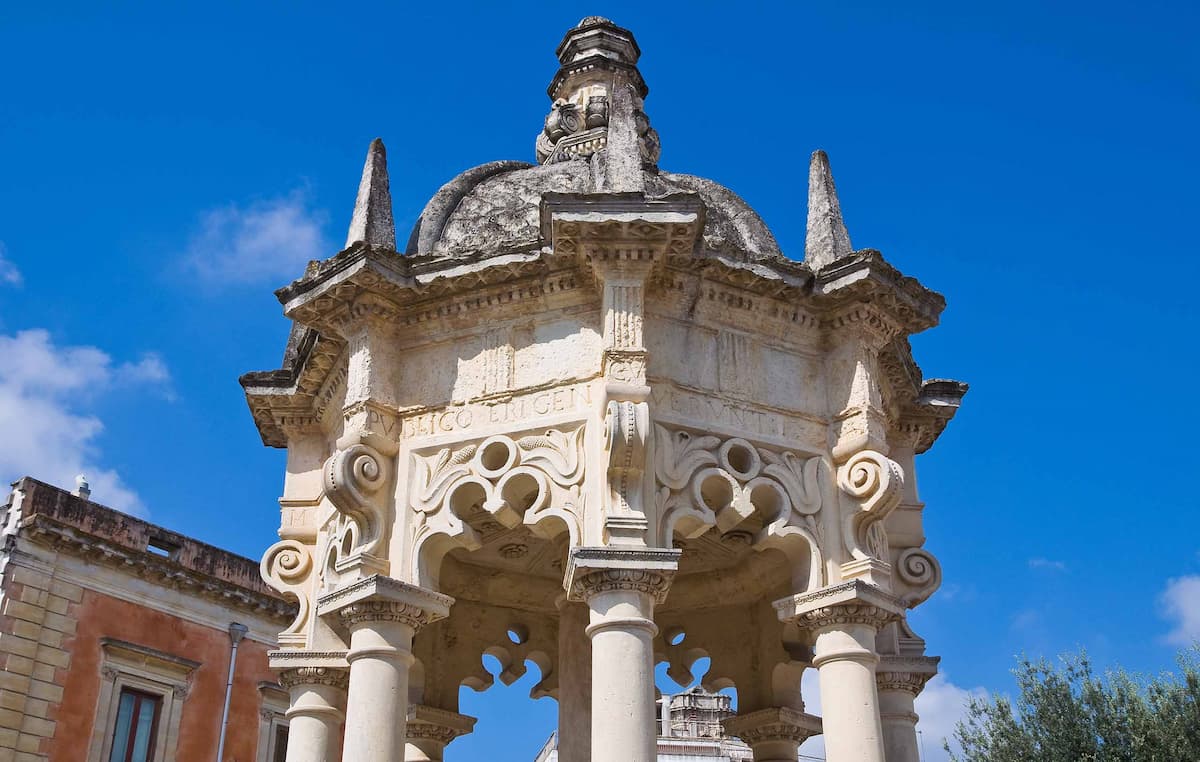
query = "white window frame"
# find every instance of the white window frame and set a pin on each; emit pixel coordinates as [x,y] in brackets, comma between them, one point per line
[129,665]
[272,714]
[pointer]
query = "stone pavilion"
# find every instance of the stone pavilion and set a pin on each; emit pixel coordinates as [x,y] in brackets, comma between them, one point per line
[590,416]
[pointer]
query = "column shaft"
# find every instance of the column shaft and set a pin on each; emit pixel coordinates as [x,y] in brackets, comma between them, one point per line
[315,719]
[377,704]
[621,630]
[844,655]
[899,718]
[574,683]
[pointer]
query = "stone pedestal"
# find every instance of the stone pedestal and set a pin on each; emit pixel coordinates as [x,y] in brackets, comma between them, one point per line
[381,616]
[900,680]
[843,620]
[429,730]
[773,734]
[621,587]
[316,714]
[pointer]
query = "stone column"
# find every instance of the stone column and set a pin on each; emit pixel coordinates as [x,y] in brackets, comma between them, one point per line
[621,587]
[430,730]
[773,734]
[843,620]
[381,615]
[574,682]
[899,680]
[318,699]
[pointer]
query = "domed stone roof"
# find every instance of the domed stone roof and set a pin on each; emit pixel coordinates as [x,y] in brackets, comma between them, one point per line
[597,95]
[495,209]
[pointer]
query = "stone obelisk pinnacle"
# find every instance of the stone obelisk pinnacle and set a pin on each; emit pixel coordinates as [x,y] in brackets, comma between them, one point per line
[372,221]
[826,239]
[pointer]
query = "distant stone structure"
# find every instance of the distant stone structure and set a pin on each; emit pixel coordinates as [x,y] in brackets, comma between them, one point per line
[592,418]
[116,638]
[689,730]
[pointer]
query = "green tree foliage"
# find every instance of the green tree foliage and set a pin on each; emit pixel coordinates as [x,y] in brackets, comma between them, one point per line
[1069,714]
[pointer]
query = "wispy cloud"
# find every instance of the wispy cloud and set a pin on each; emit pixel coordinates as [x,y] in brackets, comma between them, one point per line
[49,434]
[9,274]
[1047,564]
[1179,603]
[265,241]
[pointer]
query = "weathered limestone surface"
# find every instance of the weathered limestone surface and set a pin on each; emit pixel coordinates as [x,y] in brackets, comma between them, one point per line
[592,420]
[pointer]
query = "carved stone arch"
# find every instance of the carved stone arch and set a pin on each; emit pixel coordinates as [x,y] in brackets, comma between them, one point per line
[531,479]
[773,498]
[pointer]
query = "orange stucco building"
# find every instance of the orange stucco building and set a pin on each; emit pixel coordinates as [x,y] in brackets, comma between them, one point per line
[116,638]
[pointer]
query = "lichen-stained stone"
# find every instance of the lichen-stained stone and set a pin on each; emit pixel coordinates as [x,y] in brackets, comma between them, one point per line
[593,419]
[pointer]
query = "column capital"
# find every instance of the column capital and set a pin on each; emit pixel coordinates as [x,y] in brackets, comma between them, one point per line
[427,723]
[773,724]
[592,571]
[905,673]
[851,602]
[333,677]
[383,599]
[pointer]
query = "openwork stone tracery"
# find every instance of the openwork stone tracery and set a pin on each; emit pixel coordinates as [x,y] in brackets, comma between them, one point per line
[590,421]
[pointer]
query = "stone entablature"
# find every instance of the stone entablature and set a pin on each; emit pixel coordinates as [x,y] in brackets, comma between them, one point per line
[595,384]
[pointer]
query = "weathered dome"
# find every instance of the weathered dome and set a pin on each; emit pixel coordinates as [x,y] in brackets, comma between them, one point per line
[495,209]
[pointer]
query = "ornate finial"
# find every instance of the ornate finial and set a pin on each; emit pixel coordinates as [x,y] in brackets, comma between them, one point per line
[598,58]
[826,239]
[82,488]
[372,220]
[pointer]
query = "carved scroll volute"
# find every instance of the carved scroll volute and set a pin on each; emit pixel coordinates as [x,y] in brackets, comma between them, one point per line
[287,567]
[628,427]
[357,482]
[872,486]
[920,572]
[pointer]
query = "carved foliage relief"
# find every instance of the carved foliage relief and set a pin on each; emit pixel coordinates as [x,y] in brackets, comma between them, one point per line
[507,479]
[704,481]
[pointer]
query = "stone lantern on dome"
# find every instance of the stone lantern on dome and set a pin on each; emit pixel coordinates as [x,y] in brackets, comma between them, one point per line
[592,418]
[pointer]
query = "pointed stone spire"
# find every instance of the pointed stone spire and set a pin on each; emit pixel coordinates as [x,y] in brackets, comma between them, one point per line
[826,239]
[372,220]
[623,168]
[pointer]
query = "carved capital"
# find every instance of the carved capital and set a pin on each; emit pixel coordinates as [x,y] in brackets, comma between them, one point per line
[382,599]
[441,726]
[846,603]
[773,725]
[593,571]
[905,673]
[333,677]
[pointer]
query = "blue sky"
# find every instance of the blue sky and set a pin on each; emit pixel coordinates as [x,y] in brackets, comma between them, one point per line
[164,168]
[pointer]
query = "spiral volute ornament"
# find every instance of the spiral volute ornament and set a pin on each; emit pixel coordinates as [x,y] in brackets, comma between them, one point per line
[918,568]
[287,561]
[873,479]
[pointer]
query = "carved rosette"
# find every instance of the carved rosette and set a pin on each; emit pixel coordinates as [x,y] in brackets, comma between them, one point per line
[773,725]
[287,567]
[921,572]
[333,677]
[873,485]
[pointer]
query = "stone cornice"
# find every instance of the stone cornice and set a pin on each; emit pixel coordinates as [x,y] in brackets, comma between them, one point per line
[153,567]
[592,571]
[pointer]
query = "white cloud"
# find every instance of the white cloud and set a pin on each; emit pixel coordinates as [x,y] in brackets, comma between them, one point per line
[940,706]
[1180,602]
[266,241]
[48,434]
[1046,563]
[8,271]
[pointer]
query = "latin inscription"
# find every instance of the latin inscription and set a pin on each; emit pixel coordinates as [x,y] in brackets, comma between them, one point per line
[692,409]
[494,412]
